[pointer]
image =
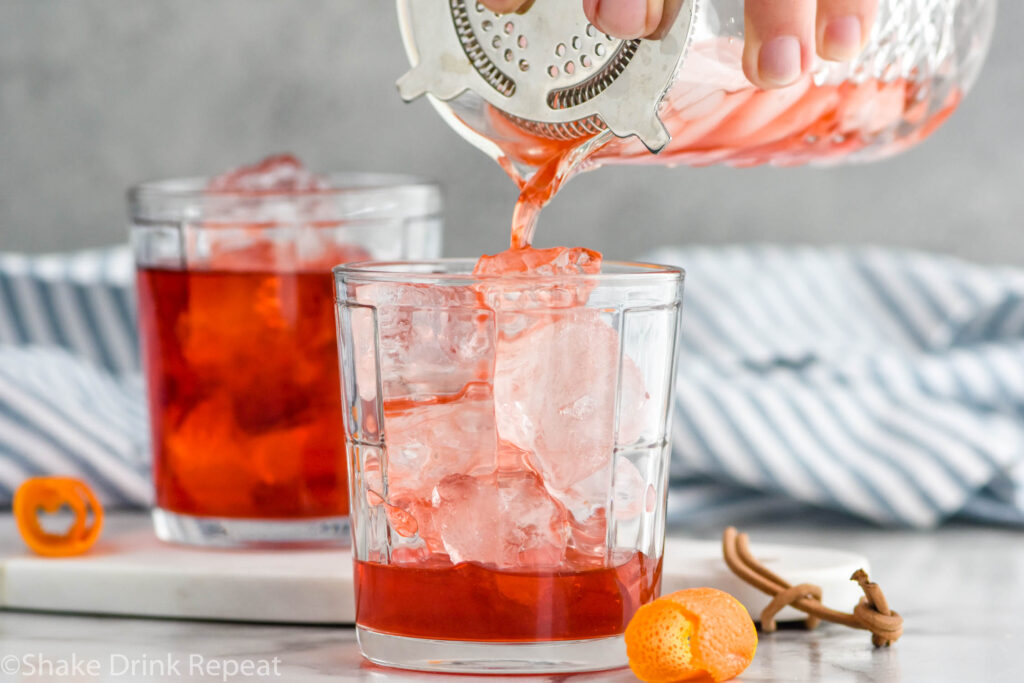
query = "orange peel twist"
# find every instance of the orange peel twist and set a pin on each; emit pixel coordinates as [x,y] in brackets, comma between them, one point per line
[48,495]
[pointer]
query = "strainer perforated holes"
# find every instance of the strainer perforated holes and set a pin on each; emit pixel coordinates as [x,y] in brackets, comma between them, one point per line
[582,80]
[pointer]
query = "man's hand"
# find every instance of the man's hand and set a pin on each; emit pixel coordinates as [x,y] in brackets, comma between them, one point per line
[781,35]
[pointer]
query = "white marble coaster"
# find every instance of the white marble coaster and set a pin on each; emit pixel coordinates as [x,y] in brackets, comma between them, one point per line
[131,573]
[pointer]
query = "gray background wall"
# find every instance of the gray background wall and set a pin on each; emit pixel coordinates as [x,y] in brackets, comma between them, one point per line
[96,94]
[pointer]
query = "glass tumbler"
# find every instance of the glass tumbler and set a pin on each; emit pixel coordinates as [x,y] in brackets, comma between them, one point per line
[237,326]
[508,455]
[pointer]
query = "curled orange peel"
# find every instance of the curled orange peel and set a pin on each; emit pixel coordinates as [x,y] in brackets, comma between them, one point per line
[698,634]
[47,495]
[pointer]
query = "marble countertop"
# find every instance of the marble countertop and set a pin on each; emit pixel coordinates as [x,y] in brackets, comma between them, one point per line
[960,590]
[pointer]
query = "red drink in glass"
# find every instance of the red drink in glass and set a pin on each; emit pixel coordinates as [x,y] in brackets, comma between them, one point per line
[243,384]
[237,325]
[508,451]
[485,604]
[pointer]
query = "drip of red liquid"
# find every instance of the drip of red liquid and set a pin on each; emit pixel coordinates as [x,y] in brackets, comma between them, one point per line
[557,161]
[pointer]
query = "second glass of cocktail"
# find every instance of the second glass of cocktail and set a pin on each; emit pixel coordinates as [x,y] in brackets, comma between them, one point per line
[508,454]
[236,318]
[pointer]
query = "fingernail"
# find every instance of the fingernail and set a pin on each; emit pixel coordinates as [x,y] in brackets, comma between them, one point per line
[842,39]
[622,18]
[779,60]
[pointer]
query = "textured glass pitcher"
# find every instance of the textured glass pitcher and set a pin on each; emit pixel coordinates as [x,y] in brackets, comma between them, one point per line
[523,87]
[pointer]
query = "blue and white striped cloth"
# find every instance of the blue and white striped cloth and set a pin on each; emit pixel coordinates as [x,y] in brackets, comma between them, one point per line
[883,384]
[880,383]
[71,395]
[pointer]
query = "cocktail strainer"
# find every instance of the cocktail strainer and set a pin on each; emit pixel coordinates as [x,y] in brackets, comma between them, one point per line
[547,68]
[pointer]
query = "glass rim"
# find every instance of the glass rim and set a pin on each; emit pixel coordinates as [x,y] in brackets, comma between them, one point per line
[345,183]
[399,272]
[350,197]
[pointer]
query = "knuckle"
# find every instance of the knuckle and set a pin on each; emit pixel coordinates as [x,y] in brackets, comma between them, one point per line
[502,5]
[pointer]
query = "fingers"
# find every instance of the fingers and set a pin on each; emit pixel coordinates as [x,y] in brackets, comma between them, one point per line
[503,6]
[843,27]
[780,34]
[669,12]
[625,18]
[778,41]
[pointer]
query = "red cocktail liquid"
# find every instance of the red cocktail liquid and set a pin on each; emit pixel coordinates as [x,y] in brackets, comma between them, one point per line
[244,392]
[470,602]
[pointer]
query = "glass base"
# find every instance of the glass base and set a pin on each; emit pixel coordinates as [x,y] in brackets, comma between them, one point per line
[223,532]
[457,656]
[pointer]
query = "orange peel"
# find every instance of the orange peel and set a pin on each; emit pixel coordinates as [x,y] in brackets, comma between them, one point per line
[48,495]
[697,634]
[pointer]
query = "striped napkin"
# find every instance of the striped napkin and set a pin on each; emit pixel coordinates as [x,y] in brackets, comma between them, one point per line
[887,385]
[71,395]
[884,384]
